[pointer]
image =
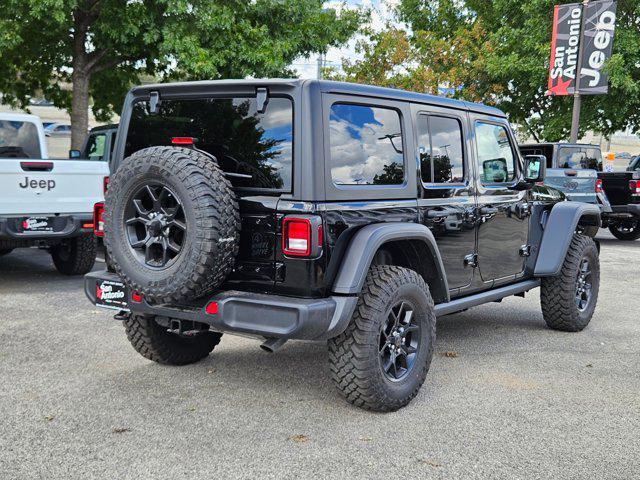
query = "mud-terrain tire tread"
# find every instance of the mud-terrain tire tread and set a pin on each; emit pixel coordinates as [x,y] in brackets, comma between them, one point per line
[355,373]
[557,294]
[208,261]
[153,342]
[80,259]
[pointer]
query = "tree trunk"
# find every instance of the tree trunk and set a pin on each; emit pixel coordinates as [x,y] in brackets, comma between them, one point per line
[79,106]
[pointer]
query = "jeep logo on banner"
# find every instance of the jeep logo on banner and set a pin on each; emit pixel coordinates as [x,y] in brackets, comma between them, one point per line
[596,39]
[600,21]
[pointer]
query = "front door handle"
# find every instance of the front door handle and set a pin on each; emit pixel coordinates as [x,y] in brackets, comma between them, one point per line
[488,210]
[434,214]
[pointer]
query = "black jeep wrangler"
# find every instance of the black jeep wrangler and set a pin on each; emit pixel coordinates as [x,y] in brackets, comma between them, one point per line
[355,215]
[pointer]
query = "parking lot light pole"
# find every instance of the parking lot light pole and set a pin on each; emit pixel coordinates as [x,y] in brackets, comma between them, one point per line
[577,100]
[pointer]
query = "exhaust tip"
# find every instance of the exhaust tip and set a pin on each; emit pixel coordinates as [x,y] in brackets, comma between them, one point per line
[272,345]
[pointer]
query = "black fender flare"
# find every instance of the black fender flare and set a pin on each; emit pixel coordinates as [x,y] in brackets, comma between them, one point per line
[366,242]
[558,233]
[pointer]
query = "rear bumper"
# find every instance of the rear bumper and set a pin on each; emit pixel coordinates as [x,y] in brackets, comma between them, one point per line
[621,212]
[263,315]
[66,226]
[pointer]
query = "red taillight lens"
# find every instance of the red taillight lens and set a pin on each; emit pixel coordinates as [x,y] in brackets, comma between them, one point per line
[598,186]
[98,219]
[182,141]
[211,308]
[136,297]
[296,236]
[634,186]
[105,184]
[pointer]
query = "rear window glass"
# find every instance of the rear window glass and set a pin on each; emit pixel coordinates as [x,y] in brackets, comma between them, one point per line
[256,145]
[19,140]
[579,158]
[366,145]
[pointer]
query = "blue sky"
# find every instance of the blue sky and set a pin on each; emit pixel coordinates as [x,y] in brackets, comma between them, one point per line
[380,13]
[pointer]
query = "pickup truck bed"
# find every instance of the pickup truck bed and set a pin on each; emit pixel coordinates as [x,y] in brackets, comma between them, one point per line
[623,191]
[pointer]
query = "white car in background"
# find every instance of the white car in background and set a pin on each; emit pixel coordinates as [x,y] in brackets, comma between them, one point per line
[47,203]
[58,130]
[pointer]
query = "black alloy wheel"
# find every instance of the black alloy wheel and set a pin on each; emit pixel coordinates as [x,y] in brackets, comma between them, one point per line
[583,285]
[155,225]
[399,342]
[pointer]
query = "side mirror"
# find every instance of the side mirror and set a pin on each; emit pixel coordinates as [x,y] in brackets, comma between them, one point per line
[535,168]
[495,171]
[74,153]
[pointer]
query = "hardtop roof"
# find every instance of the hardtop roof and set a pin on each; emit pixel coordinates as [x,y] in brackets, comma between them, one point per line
[330,87]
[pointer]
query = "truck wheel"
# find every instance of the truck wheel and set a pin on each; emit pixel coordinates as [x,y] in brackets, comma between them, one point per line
[171,224]
[381,360]
[153,341]
[5,251]
[569,299]
[75,256]
[626,229]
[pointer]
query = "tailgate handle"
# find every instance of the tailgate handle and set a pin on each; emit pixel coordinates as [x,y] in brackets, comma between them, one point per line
[570,173]
[36,166]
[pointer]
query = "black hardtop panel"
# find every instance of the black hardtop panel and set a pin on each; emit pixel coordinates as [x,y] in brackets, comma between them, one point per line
[560,144]
[323,85]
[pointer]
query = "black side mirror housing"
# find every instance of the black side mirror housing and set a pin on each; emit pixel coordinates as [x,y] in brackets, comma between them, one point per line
[535,168]
[74,153]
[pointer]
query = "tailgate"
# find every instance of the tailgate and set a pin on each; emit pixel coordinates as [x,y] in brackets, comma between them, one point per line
[616,186]
[577,185]
[50,186]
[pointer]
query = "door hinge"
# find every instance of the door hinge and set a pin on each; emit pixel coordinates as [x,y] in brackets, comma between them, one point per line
[471,260]
[154,102]
[525,250]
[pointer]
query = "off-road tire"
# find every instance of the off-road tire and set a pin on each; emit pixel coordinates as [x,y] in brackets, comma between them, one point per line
[212,223]
[76,256]
[558,293]
[5,251]
[632,234]
[153,342]
[354,355]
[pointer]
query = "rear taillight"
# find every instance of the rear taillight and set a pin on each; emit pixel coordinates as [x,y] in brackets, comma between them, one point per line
[136,297]
[598,185]
[296,236]
[98,219]
[105,184]
[634,186]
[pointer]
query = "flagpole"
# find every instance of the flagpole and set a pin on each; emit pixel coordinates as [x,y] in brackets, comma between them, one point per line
[577,100]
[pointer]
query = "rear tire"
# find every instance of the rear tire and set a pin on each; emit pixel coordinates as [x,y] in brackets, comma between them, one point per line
[566,305]
[152,341]
[370,361]
[626,230]
[75,256]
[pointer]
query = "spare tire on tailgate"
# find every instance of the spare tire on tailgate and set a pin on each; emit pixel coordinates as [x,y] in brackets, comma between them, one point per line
[172,225]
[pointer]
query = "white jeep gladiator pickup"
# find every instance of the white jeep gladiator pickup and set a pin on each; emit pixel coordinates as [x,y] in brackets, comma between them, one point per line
[47,203]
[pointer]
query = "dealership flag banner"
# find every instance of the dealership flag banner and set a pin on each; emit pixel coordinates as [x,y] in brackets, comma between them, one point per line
[596,38]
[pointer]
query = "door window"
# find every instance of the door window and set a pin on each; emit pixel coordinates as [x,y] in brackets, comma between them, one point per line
[496,161]
[366,145]
[440,146]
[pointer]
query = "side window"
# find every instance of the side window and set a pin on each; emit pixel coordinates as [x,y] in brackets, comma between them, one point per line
[365,145]
[440,144]
[496,162]
[95,147]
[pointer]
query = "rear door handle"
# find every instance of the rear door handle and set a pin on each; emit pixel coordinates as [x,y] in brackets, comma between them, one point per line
[437,214]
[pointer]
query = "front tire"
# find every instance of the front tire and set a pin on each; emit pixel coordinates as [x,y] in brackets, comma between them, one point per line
[76,256]
[381,360]
[152,341]
[626,230]
[569,299]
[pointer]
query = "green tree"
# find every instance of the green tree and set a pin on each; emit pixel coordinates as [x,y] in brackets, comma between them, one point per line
[101,47]
[497,52]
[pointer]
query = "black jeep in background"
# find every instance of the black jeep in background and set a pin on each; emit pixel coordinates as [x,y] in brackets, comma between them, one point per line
[314,210]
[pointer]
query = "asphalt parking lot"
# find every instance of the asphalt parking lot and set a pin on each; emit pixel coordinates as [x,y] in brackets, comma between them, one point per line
[505,397]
